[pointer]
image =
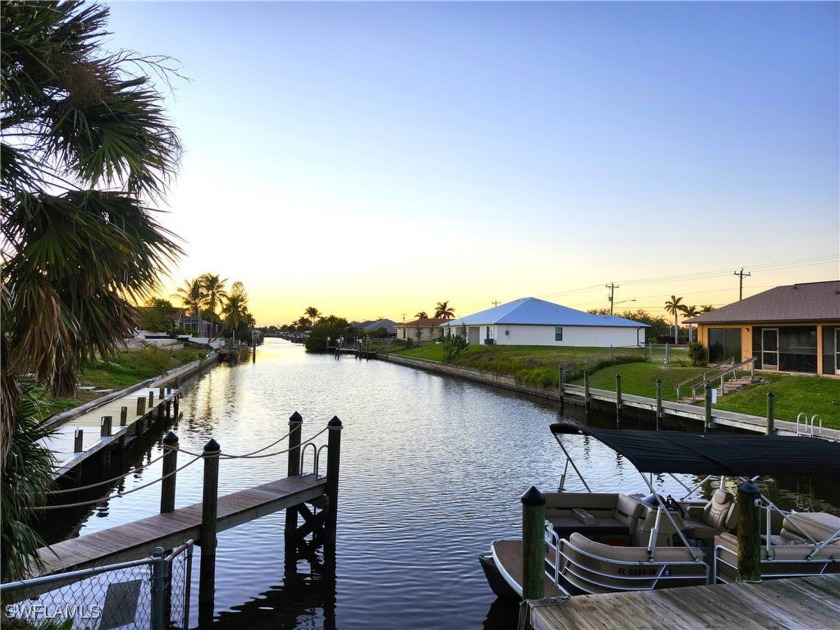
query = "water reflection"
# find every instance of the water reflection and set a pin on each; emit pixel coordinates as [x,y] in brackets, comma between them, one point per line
[432,471]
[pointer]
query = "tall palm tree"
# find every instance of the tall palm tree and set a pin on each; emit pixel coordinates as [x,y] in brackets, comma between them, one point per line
[421,315]
[707,308]
[674,306]
[192,295]
[85,142]
[214,291]
[313,314]
[444,311]
[690,311]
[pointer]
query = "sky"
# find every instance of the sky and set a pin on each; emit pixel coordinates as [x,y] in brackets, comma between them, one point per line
[373,159]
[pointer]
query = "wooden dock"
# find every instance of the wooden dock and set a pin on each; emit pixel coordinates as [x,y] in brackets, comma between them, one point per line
[138,539]
[62,442]
[809,602]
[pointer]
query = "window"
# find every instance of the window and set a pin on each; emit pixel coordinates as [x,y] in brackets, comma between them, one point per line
[558,333]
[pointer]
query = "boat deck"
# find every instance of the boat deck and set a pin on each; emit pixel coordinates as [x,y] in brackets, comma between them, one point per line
[509,553]
[810,602]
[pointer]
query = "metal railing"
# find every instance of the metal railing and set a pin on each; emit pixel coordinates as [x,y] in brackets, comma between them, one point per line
[808,425]
[702,377]
[722,376]
[150,593]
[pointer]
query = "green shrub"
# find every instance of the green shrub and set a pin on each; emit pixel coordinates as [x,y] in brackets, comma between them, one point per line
[697,353]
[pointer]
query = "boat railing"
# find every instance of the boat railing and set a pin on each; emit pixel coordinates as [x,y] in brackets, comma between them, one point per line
[808,425]
[816,566]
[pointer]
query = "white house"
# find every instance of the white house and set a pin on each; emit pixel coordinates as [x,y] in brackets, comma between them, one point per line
[420,330]
[533,322]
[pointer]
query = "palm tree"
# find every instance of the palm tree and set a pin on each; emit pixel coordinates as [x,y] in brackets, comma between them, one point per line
[690,311]
[673,306]
[214,291]
[85,142]
[444,311]
[313,314]
[192,295]
[421,315]
[707,308]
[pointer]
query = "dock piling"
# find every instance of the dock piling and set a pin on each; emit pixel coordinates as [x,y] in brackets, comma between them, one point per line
[618,401]
[749,532]
[707,422]
[123,416]
[176,404]
[105,426]
[771,429]
[78,439]
[659,404]
[586,398]
[151,400]
[209,504]
[533,544]
[170,465]
[331,490]
[295,426]
[562,383]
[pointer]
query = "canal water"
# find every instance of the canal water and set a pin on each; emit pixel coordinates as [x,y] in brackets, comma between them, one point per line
[432,469]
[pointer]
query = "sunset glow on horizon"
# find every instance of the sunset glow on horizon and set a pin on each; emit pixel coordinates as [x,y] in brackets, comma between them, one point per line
[373,159]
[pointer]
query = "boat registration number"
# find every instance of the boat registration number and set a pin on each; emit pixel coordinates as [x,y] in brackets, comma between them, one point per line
[638,572]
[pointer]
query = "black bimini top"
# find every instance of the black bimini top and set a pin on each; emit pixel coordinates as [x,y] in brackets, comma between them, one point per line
[717,453]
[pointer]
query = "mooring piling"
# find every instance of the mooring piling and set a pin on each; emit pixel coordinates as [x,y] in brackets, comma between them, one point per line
[771,430]
[707,422]
[618,401]
[209,506]
[659,404]
[295,426]
[78,436]
[170,465]
[533,544]
[333,461]
[749,532]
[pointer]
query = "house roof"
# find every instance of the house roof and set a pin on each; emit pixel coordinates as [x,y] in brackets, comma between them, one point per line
[531,311]
[810,301]
[424,321]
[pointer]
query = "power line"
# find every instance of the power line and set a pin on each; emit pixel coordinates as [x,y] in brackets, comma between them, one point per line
[741,275]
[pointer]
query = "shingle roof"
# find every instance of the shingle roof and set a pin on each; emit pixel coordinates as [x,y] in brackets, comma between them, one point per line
[531,311]
[425,321]
[811,301]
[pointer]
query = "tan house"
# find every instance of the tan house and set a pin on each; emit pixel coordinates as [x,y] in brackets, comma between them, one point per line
[420,330]
[794,328]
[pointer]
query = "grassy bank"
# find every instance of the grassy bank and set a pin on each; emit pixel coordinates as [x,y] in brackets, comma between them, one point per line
[123,370]
[539,366]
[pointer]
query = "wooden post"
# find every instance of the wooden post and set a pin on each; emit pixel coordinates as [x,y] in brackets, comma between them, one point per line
[707,422]
[151,399]
[209,504]
[105,426]
[295,426]
[161,393]
[141,406]
[659,404]
[123,416]
[169,409]
[170,465]
[78,440]
[562,383]
[618,401]
[749,532]
[586,400]
[771,429]
[333,461]
[176,405]
[533,544]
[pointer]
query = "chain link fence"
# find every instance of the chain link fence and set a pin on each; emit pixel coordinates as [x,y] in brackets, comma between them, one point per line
[150,593]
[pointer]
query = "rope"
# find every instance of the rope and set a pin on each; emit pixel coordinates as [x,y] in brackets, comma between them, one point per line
[118,494]
[297,428]
[252,455]
[107,481]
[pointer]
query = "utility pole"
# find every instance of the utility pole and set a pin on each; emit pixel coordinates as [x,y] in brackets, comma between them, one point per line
[495,302]
[741,275]
[612,287]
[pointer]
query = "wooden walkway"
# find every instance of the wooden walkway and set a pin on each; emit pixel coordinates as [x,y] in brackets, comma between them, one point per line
[61,442]
[138,539]
[812,602]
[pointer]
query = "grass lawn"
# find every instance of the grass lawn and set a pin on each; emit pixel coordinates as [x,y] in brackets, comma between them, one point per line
[123,370]
[538,366]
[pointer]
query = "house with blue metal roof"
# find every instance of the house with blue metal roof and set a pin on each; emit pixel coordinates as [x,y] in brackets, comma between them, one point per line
[533,322]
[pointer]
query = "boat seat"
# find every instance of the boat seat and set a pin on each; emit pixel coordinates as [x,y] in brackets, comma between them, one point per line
[719,515]
[598,515]
[818,525]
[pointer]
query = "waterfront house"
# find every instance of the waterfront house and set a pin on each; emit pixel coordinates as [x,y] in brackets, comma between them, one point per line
[533,322]
[420,330]
[793,328]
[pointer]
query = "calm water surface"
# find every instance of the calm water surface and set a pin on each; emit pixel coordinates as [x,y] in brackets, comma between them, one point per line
[431,471]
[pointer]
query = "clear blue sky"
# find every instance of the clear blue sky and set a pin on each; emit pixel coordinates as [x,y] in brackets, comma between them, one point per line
[375,158]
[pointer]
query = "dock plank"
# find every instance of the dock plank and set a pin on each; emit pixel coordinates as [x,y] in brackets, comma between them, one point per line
[138,539]
[810,602]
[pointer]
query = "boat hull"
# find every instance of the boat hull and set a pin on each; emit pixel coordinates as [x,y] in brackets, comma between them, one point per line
[497,583]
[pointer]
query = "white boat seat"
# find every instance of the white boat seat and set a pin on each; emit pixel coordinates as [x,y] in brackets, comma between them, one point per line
[818,525]
[719,515]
